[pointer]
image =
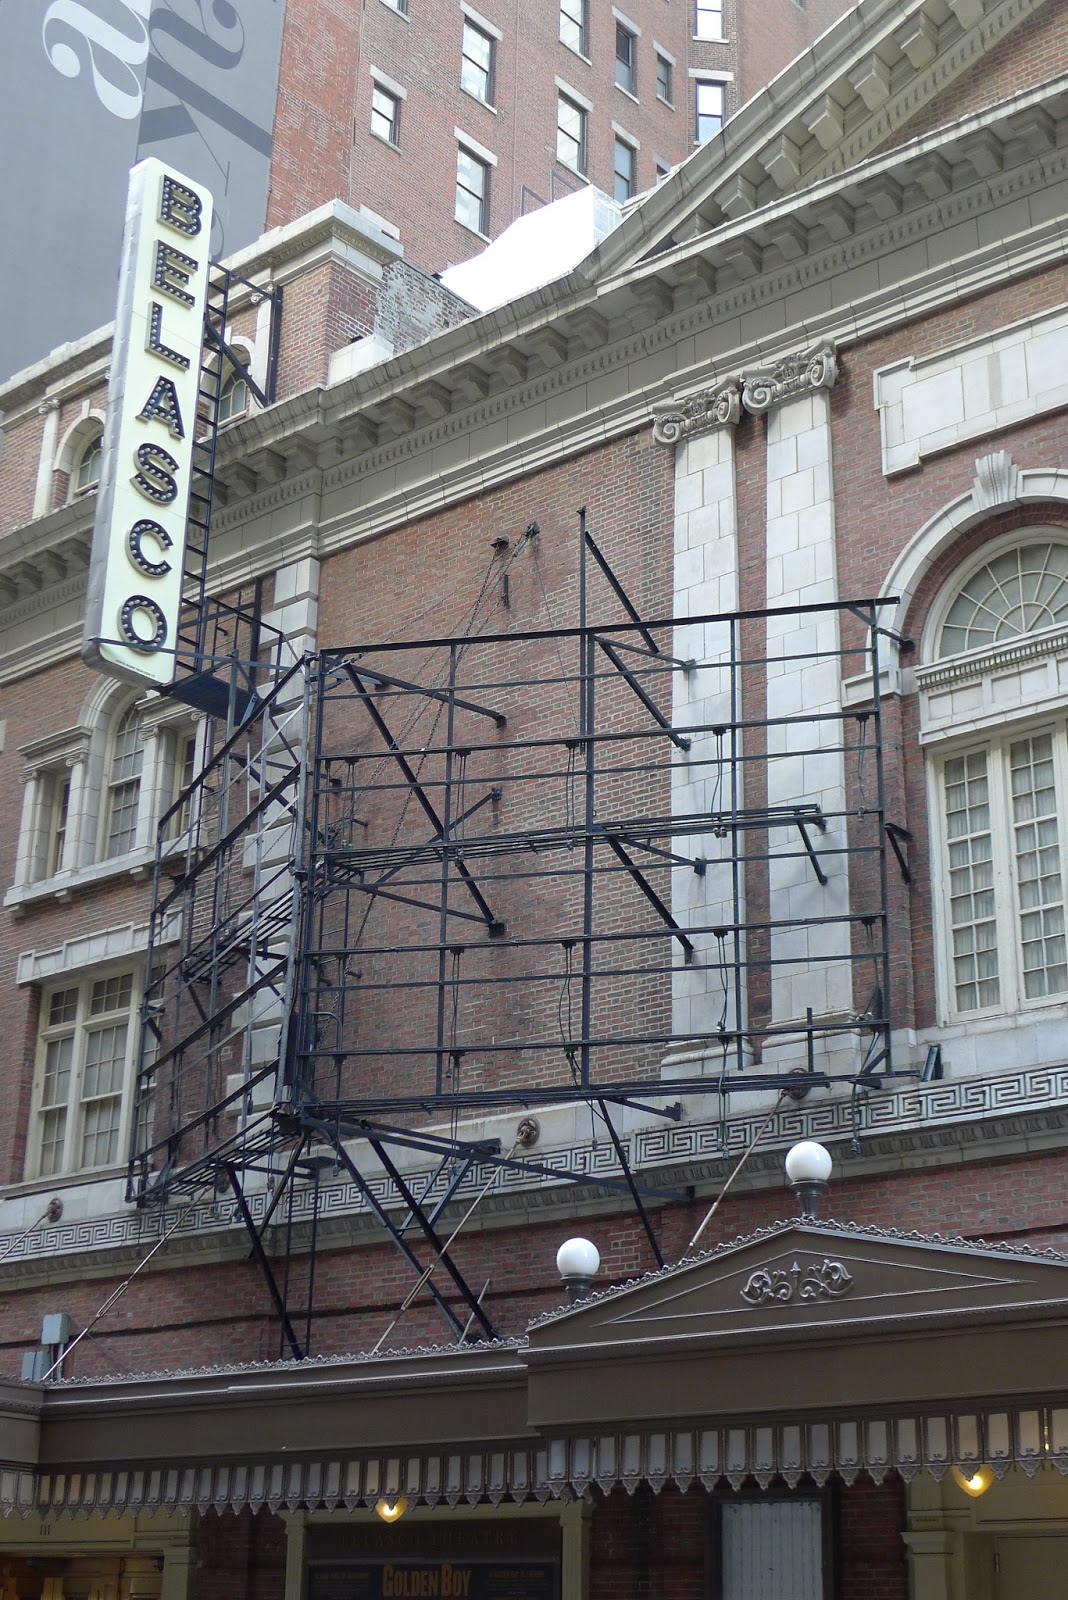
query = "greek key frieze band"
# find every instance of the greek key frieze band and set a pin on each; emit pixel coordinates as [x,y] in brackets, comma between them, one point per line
[757,390]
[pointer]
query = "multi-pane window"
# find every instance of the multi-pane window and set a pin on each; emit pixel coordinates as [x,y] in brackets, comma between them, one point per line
[476,63]
[84,1067]
[472,191]
[86,474]
[575,25]
[59,797]
[385,114]
[571,134]
[626,52]
[398,5]
[184,770]
[711,99]
[1005,881]
[123,789]
[625,167]
[663,78]
[708,22]
[1020,591]
[233,398]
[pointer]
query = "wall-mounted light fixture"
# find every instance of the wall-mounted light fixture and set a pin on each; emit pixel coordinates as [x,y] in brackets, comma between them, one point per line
[808,1166]
[977,1484]
[391,1510]
[577,1261]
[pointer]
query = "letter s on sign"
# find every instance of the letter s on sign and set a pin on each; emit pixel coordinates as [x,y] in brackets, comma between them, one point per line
[122,97]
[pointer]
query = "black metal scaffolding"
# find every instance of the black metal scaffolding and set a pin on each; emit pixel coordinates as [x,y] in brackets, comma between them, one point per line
[439,880]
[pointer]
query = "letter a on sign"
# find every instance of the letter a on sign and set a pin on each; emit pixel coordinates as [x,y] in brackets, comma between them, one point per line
[133,604]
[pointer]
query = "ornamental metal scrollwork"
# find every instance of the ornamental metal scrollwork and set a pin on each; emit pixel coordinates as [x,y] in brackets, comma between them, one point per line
[794,375]
[829,1281]
[718,407]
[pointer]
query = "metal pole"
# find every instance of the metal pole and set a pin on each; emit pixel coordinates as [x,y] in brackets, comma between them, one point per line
[586,745]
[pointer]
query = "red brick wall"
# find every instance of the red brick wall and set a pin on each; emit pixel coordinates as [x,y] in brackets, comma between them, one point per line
[324,148]
[240,1557]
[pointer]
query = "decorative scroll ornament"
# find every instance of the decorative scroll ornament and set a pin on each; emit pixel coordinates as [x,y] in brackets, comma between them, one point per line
[829,1281]
[718,407]
[794,375]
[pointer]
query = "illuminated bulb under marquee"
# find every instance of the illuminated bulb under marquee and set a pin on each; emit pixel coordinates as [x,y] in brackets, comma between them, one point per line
[139,537]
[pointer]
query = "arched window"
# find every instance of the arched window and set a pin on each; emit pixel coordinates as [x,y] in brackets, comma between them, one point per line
[1002,788]
[85,474]
[233,398]
[1018,592]
[123,786]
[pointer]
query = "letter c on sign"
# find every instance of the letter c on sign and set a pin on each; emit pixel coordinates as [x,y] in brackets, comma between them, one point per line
[143,529]
[148,644]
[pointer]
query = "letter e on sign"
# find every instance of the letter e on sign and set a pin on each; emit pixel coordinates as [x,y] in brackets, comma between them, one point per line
[135,587]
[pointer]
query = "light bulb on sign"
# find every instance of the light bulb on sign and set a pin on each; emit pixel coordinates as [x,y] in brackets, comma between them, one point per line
[391,1510]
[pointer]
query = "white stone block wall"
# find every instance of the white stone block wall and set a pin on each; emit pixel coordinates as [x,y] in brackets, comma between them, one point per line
[705,583]
[805,761]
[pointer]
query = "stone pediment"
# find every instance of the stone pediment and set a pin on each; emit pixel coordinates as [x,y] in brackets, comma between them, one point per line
[848,97]
[800,1278]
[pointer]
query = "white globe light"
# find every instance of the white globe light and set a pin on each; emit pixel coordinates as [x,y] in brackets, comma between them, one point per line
[808,1162]
[577,1258]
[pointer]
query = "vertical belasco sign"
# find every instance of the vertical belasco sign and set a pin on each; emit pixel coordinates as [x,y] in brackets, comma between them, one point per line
[135,574]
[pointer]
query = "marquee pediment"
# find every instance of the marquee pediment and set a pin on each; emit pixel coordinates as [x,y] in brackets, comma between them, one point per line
[805,1314]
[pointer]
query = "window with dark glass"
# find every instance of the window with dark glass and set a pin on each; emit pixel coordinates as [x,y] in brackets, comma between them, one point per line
[626,51]
[472,191]
[626,161]
[663,78]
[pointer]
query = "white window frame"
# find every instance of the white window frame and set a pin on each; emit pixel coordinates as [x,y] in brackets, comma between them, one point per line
[82,1027]
[986,698]
[1011,1000]
[83,754]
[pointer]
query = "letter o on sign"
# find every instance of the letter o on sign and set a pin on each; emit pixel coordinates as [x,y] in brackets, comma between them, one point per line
[142,624]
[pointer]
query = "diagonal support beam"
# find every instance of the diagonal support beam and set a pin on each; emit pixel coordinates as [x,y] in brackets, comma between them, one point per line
[384,678]
[621,1155]
[649,892]
[431,1235]
[621,594]
[802,828]
[647,701]
[495,927]
[328,1134]
[265,1266]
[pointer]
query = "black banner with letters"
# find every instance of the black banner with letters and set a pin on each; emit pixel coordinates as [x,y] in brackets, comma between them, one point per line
[435,1580]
